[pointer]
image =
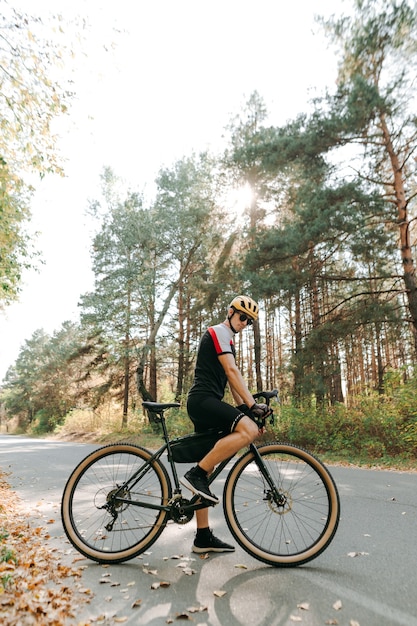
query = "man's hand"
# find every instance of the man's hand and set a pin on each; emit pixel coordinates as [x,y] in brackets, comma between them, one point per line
[260,410]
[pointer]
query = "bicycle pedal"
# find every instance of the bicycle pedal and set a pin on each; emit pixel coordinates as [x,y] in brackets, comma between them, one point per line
[202,500]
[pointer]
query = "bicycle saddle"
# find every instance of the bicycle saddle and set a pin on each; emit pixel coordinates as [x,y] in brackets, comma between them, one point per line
[157,407]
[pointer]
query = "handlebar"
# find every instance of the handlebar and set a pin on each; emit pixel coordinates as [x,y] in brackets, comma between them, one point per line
[267,396]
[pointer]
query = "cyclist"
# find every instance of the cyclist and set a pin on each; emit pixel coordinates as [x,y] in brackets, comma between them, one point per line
[215,368]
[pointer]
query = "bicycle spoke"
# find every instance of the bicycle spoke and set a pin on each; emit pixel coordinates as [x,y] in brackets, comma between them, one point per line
[103,516]
[286,524]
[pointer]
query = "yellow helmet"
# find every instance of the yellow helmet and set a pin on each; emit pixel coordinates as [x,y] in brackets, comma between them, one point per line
[246,305]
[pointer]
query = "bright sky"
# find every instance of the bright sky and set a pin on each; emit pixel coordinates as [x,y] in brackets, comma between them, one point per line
[180,70]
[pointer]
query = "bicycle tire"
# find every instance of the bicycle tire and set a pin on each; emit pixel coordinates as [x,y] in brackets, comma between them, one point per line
[284,534]
[89,488]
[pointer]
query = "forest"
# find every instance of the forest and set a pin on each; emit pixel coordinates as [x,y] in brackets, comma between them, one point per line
[314,219]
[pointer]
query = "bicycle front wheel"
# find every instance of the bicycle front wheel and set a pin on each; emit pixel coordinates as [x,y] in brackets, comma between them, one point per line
[289,518]
[103,511]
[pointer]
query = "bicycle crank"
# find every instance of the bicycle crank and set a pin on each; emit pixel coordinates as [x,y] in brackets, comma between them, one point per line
[181,513]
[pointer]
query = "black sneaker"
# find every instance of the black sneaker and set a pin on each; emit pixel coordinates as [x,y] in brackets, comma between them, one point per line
[211,544]
[198,483]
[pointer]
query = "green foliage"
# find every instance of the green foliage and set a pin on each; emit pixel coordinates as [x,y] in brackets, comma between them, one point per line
[373,428]
[5,581]
[326,263]
[14,246]
[7,555]
[30,99]
[41,387]
[43,423]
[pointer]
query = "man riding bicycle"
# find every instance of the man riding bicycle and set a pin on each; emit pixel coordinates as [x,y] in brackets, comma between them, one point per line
[215,368]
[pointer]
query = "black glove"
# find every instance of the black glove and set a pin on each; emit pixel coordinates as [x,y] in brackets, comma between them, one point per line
[259,410]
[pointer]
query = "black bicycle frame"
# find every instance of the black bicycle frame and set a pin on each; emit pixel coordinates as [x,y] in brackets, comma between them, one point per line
[195,503]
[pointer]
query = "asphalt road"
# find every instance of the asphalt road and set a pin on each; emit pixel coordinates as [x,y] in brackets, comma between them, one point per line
[366,577]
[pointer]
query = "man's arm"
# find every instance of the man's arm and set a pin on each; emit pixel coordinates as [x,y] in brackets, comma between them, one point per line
[236,397]
[238,387]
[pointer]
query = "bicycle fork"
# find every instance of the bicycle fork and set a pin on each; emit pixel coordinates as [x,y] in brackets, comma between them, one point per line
[273,495]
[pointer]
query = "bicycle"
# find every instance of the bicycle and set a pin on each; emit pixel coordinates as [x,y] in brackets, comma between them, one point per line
[280,502]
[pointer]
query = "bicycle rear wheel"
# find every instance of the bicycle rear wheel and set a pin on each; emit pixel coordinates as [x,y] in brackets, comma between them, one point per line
[291,523]
[105,529]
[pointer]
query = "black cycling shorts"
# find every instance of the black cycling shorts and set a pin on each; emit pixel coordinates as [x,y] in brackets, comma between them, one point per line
[207,412]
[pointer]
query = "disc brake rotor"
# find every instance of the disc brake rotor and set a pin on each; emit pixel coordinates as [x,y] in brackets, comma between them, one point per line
[281,505]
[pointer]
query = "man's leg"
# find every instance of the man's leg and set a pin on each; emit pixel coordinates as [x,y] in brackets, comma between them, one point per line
[205,540]
[245,432]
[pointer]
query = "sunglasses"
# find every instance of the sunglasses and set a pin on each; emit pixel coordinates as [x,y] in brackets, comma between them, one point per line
[245,318]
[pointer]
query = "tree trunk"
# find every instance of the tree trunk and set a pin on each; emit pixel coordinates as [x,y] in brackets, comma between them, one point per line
[181,343]
[404,226]
[297,369]
[153,386]
[151,341]
[257,354]
[126,378]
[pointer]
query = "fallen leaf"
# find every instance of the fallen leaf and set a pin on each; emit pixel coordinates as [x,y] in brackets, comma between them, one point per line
[33,581]
[241,566]
[304,606]
[188,571]
[152,572]
[162,584]
[197,609]
[331,622]
[219,594]
[353,554]
[120,620]
[85,590]
[136,604]
[337,605]
[353,622]
[295,618]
